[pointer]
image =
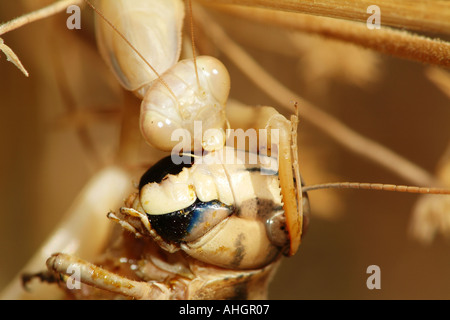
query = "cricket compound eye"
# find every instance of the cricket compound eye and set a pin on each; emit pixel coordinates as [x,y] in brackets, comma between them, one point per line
[190,223]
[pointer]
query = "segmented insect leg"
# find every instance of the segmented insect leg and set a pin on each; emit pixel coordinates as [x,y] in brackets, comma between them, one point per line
[98,277]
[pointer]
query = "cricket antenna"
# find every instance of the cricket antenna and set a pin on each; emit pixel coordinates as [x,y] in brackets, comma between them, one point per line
[376,186]
[101,15]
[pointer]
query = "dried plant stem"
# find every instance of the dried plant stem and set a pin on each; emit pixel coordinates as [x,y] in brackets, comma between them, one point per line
[38,14]
[11,56]
[423,15]
[26,19]
[386,40]
[328,124]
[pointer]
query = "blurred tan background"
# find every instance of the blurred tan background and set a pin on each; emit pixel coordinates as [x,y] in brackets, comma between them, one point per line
[52,143]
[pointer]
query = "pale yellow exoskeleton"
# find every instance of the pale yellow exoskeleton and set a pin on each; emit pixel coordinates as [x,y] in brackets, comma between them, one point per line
[154,29]
[192,100]
[141,42]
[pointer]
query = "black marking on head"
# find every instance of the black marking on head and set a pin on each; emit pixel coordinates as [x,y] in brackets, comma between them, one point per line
[239,252]
[173,226]
[272,215]
[263,208]
[163,167]
[178,226]
[263,171]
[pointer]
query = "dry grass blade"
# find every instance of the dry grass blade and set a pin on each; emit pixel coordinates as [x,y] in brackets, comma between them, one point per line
[11,56]
[420,15]
[43,13]
[401,44]
[26,19]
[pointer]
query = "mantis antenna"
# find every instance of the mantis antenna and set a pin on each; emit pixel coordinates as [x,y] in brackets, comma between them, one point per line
[194,55]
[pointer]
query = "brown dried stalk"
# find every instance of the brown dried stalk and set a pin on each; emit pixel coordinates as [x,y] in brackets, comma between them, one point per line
[11,56]
[26,19]
[43,13]
[423,15]
[386,40]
